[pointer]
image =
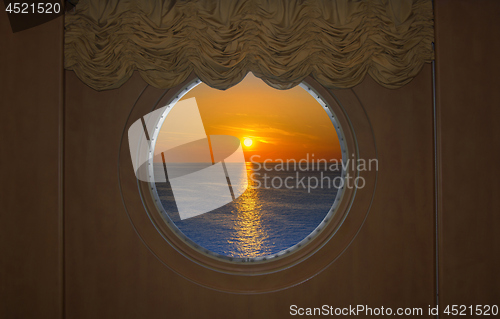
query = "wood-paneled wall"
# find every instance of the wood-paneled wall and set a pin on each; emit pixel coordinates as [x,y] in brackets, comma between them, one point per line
[31,101]
[468,100]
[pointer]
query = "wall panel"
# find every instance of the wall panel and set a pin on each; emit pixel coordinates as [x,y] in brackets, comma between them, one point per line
[111,273]
[468,73]
[31,91]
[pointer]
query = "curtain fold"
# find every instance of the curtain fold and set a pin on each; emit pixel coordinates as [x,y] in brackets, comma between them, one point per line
[281,41]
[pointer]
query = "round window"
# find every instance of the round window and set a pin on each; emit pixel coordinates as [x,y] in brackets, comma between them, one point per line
[247,174]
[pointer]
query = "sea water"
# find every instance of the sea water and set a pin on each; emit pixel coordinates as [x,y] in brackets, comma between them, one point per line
[267,218]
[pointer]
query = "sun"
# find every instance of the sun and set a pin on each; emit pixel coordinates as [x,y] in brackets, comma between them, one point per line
[248,142]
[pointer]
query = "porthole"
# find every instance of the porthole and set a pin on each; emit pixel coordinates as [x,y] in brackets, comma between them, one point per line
[286,228]
[294,158]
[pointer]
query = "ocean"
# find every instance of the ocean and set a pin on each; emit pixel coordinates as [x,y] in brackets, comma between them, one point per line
[267,218]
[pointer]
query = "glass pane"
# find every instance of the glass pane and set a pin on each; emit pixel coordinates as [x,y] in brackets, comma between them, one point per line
[247,172]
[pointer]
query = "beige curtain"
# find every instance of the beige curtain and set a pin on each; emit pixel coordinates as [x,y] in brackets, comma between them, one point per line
[281,41]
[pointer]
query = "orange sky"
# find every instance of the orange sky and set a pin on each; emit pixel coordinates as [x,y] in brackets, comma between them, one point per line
[283,124]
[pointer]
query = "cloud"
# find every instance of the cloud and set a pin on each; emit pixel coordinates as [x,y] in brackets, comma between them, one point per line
[264,129]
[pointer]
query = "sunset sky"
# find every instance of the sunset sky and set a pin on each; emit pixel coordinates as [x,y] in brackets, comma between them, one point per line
[279,124]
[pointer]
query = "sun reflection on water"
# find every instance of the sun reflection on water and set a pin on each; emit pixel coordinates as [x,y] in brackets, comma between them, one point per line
[250,235]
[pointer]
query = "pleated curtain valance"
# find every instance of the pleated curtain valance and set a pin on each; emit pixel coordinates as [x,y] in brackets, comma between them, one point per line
[281,41]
